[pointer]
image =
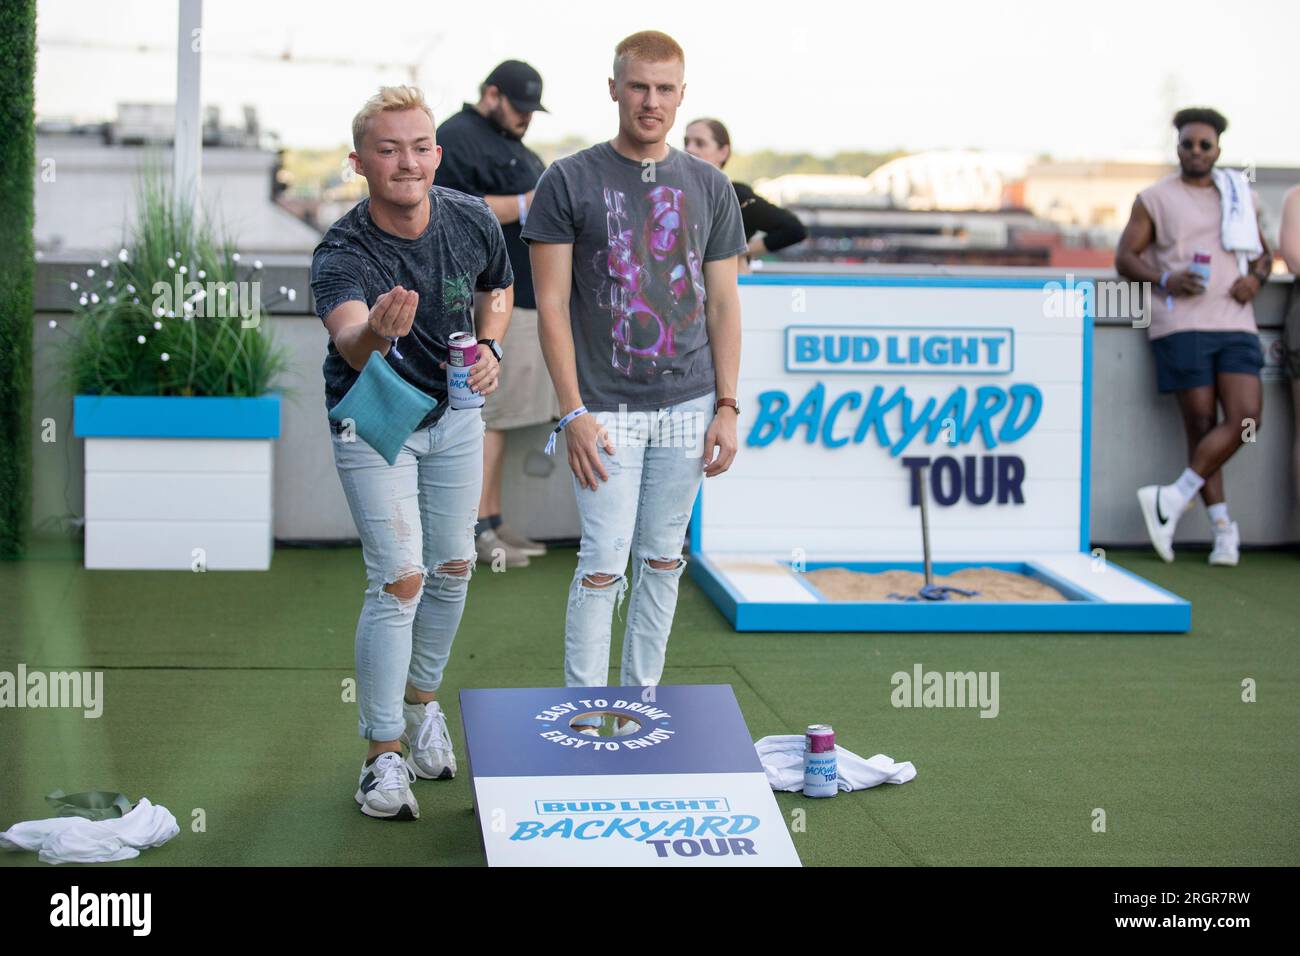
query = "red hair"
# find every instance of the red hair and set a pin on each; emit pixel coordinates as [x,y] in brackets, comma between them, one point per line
[648,45]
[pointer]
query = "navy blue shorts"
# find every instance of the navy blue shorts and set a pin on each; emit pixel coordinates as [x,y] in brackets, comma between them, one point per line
[1192,359]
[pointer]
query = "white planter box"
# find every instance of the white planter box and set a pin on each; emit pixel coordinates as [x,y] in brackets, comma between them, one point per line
[180,503]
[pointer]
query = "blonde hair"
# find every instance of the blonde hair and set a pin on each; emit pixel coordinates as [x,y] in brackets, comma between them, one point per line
[648,45]
[389,98]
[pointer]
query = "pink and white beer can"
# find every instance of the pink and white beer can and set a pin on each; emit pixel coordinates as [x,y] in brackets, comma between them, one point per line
[463,353]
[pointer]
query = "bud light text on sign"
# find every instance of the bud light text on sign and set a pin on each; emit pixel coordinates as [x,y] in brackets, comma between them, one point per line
[895,350]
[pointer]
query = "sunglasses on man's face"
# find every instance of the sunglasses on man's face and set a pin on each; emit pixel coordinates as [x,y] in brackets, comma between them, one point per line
[1190,144]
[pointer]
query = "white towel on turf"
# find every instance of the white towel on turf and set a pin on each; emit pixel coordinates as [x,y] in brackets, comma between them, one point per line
[78,840]
[782,759]
[1239,231]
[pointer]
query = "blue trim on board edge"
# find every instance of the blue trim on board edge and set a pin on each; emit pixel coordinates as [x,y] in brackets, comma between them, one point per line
[942,617]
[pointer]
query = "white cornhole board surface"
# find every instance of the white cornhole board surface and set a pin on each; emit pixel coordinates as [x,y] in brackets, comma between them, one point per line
[848,387]
[686,789]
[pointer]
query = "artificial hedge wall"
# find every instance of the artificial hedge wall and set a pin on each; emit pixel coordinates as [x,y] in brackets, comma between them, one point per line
[17,270]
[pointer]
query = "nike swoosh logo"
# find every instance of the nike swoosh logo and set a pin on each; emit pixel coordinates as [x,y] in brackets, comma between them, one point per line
[1159,515]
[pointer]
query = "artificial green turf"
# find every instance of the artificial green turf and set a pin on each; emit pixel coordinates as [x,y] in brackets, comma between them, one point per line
[223,693]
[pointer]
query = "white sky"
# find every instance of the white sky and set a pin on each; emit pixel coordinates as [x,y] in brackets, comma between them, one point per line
[1081,79]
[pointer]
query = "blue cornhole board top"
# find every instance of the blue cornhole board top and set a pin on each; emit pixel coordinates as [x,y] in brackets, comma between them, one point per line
[503,732]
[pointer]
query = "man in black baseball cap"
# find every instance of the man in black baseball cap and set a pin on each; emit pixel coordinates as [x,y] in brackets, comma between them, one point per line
[483,154]
[520,84]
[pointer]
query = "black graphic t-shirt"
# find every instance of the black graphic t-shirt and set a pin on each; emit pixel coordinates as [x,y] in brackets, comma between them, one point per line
[641,233]
[460,252]
[480,158]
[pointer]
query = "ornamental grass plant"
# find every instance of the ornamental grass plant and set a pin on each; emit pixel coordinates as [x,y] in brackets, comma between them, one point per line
[175,313]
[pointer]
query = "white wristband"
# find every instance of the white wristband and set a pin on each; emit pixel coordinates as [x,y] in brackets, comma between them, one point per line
[523,208]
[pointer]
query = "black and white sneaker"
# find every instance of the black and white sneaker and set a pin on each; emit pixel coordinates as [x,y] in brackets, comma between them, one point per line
[1161,510]
[384,790]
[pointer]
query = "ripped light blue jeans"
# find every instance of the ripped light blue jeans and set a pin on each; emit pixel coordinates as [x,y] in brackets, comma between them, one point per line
[415,517]
[641,513]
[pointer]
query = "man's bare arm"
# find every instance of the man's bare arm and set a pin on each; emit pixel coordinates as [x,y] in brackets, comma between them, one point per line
[1246,287]
[491,320]
[357,331]
[1139,233]
[552,284]
[492,312]
[1262,264]
[506,208]
[722,313]
[1290,234]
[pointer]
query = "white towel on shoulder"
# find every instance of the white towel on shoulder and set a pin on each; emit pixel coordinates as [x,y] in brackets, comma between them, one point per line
[782,759]
[1239,230]
[78,840]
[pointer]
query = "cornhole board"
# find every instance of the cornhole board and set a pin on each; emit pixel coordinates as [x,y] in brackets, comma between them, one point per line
[686,789]
[852,387]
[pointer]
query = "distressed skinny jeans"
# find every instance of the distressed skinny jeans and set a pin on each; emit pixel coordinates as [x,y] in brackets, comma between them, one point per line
[415,517]
[640,513]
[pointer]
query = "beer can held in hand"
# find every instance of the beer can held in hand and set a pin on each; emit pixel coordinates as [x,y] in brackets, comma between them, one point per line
[1200,265]
[462,354]
[820,768]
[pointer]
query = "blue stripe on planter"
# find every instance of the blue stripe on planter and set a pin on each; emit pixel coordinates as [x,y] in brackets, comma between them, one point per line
[144,416]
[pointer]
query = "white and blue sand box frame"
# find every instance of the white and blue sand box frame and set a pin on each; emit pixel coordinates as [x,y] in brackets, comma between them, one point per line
[852,389]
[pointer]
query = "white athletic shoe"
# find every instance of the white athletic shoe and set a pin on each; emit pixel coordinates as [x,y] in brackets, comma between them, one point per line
[526,546]
[426,734]
[1227,546]
[590,731]
[625,729]
[384,790]
[1160,521]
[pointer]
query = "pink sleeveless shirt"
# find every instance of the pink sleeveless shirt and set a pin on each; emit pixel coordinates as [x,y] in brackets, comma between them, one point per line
[1187,220]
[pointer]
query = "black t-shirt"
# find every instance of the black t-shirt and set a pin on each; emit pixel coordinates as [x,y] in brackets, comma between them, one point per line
[480,158]
[780,227]
[461,251]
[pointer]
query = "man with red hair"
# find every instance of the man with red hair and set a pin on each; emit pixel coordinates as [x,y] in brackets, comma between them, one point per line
[634,249]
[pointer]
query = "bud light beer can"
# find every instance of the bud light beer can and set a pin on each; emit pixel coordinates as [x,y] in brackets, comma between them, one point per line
[1200,265]
[820,772]
[463,353]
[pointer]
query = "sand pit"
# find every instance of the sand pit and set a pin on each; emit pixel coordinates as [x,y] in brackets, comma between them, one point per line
[840,584]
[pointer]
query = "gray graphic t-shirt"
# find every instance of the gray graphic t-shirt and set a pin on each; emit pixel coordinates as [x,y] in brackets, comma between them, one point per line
[641,234]
[460,252]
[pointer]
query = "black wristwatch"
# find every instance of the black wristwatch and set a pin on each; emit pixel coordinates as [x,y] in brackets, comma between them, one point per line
[493,345]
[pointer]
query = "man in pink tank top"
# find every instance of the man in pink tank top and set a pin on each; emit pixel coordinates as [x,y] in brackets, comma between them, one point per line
[1202,327]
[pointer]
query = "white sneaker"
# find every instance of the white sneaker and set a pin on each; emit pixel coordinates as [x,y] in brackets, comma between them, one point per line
[1160,529]
[1227,546]
[384,790]
[426,734]
[490,548]
[525,545]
